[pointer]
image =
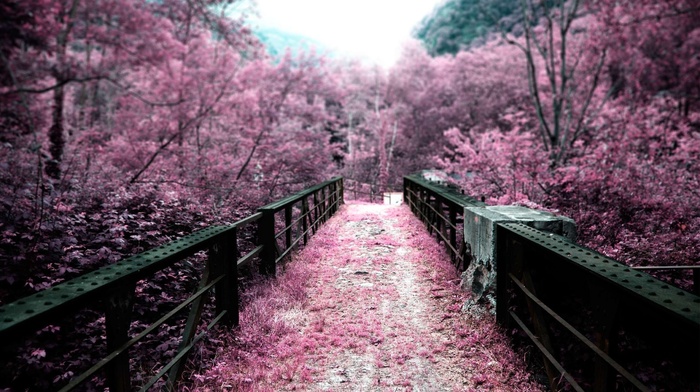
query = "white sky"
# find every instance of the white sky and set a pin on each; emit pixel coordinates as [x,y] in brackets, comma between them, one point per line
[373,30]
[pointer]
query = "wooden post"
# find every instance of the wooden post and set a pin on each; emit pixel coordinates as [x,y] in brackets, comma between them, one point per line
[266,233]
[117,323]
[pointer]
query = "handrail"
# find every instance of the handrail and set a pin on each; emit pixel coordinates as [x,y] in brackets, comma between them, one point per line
[537,270]
[289,200]
[441,208]
[623,298]
[694,268]
[331,195]
[72,294]
[116,283]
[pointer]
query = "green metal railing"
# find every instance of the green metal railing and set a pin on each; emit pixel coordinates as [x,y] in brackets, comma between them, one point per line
[441,209]
[540,276]
[114,286]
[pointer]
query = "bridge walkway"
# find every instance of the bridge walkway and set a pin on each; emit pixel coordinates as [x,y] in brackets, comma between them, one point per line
[371,304]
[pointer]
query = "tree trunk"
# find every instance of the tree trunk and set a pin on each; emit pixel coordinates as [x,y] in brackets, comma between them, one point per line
[56,139]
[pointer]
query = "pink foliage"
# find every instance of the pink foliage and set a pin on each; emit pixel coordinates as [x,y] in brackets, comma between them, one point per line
[124,124]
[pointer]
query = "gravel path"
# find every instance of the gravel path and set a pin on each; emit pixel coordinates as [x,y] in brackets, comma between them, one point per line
[373,299]
[371,304]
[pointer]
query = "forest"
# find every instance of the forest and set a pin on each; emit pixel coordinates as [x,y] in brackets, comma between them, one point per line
[127,123]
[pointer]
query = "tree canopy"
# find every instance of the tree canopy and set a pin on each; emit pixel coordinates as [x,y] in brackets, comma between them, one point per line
[124,123]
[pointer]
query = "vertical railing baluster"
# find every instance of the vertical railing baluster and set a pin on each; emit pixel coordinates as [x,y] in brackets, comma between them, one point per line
[226,292]
[342,190]
[323,204]
[305,216]
[214,267]
[117,323]
[288,225]
[316,213]
[453,231]
[266,232]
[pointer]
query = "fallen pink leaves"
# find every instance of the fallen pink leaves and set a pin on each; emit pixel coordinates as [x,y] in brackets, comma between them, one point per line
[371,304]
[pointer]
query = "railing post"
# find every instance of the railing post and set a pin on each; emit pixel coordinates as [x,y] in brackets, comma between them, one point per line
[341,182]
[405,191]
[453,231]
[506,248]
[323,205]
[117,323]
[288,226]
[215,267]
[266,232]
[605,324]
[305,217]
[314,222]
[521,269]
[226,293]
[331,199]
[437,217]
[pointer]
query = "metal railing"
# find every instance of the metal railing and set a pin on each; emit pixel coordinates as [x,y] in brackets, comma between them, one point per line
[544,281]
[113,288]
[694,269]
[441,209]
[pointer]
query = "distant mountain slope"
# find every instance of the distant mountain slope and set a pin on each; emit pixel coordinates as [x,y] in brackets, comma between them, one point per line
[277,41]
[457,24]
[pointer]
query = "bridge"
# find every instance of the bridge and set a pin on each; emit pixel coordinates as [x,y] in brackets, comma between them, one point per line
[593,321]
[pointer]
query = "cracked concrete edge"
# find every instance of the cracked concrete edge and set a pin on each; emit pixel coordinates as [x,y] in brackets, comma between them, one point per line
[480,235]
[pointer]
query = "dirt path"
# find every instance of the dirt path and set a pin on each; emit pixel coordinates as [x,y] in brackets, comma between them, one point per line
[373,304]
[370,305]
